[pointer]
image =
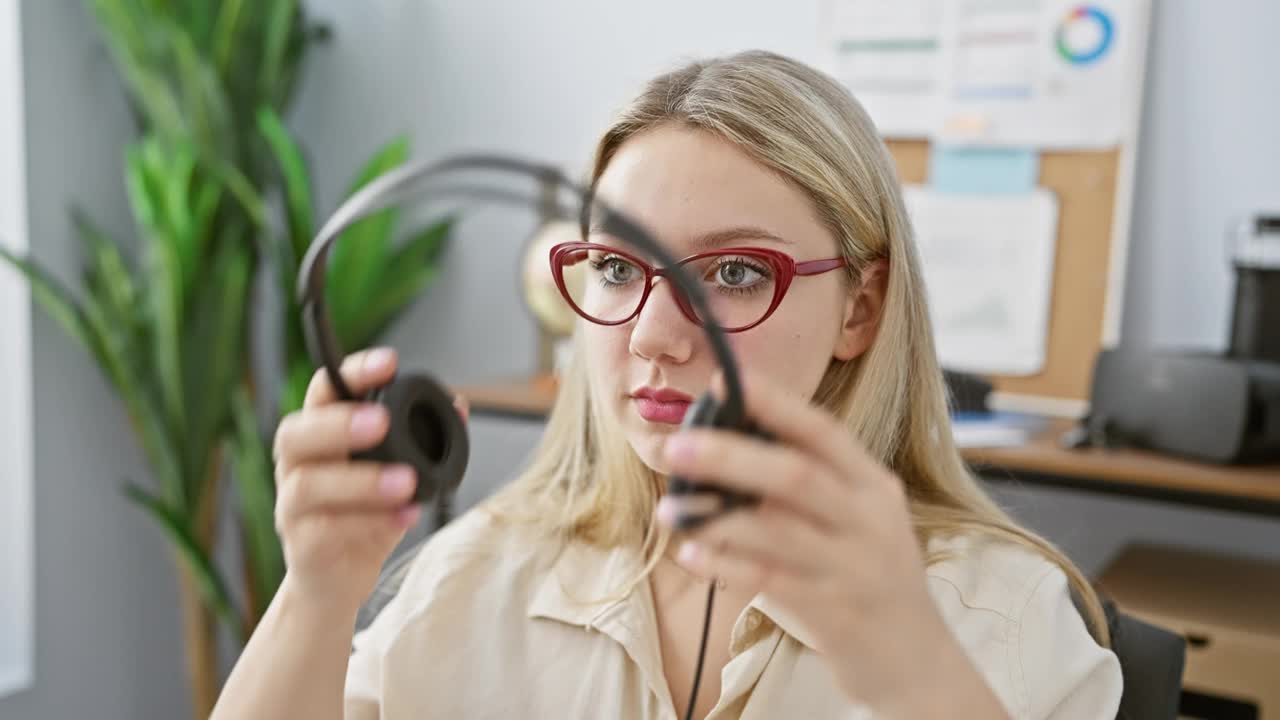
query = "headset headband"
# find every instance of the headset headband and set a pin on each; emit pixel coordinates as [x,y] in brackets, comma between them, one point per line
[401,183]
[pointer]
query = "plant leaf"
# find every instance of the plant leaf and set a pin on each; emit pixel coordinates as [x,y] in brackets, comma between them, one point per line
[256,488]
[249,199]
[199,21]
[392,302]
[224,34]
[286,268]
[294,391]
[82,327]
[308,34]
[360,253]
[124,28]
[178,166]
[296,185]
[215,342]
[111,310]
[118,362]
[140,192]
[212,587]
[57,302]
[410,269]
[208,111]
[207,195]
[164,295]
[423,248]
[280,23]
[108,275]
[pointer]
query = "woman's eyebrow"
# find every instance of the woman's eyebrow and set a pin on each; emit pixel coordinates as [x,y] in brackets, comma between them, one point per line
[719,238]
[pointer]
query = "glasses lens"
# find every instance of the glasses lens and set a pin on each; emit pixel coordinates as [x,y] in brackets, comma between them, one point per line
[603,284]
[739,288]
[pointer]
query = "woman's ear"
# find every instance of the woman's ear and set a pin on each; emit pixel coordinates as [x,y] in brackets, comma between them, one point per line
[862,311]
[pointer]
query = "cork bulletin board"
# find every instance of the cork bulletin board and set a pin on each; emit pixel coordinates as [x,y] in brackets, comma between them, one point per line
[1086,260]
[1051,92]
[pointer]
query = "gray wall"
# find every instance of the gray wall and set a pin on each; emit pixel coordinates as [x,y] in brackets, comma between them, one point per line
[107,638]
[541,79]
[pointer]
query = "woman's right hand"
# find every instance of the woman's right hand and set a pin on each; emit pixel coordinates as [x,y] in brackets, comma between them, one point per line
[338,518]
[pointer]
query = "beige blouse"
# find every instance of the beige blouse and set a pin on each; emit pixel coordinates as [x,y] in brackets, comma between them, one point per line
[489,624]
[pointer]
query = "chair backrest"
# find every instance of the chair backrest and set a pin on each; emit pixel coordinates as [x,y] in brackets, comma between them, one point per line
[1152,660]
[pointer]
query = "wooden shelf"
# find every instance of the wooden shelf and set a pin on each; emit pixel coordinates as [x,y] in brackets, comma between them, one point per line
[1253,489]
[529,397]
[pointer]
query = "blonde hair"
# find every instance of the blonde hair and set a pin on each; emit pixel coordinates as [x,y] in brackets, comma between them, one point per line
[585,483]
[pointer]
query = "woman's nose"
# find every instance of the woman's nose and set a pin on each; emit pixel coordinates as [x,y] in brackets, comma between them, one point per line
[661,331]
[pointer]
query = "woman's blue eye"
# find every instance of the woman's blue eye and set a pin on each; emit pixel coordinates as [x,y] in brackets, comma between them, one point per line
[738,275]
[614,271]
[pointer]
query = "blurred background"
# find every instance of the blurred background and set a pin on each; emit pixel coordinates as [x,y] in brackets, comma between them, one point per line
[99,585]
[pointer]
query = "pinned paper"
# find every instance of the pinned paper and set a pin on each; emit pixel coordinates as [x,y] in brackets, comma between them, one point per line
[988,267]
[982,170]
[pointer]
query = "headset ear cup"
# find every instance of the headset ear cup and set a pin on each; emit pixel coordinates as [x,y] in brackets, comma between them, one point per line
[426,433]
[706,411]
[703,413]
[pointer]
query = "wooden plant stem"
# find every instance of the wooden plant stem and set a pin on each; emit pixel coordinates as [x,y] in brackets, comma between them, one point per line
[200,643]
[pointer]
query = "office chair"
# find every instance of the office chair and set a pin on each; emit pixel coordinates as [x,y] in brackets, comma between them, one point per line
[1151,660]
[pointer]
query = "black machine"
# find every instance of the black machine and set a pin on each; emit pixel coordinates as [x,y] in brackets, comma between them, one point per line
[1197,405]
[1216,407]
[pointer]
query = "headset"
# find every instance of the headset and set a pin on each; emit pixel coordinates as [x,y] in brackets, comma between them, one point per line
[426,432]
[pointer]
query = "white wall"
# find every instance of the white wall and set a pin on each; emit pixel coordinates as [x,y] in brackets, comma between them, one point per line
[16,591]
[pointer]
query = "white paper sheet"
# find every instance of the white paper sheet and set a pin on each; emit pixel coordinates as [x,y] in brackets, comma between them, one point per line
[1048,73]
[988,268]
[1053,74]
[886,52]
[996,429]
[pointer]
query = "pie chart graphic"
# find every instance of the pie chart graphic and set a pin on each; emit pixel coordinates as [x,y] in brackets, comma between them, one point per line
[1084,35]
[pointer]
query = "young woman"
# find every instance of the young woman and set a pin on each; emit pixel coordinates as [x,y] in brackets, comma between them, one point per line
[875,578]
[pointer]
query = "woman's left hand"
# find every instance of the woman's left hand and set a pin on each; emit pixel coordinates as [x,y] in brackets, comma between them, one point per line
[831,543]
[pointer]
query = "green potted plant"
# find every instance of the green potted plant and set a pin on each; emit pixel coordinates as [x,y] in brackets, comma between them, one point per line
[208,83]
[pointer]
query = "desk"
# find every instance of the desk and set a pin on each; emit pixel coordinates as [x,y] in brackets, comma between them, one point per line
[1134,473]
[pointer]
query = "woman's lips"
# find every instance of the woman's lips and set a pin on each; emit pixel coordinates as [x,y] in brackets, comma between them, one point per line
[671,411]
